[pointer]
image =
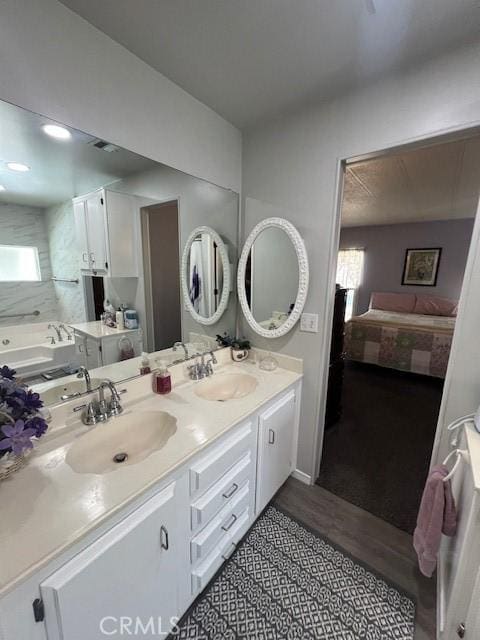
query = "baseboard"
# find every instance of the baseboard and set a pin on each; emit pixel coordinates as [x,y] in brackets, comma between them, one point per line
[303,477]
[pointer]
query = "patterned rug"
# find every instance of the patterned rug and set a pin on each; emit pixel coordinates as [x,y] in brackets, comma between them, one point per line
[284,581]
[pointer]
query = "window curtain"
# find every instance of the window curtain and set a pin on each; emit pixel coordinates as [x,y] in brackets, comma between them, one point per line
[349,275]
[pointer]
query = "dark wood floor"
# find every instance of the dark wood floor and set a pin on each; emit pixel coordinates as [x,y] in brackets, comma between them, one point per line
[383,547]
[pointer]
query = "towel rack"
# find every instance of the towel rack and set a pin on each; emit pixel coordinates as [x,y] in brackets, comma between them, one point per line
[462,454]
[73,280]
[20,315]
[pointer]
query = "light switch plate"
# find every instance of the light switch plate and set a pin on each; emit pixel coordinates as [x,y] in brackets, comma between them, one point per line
[309,322]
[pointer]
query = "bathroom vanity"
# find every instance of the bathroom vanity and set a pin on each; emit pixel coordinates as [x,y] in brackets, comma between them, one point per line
[142,539]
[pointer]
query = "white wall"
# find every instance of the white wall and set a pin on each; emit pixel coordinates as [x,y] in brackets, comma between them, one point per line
[292,163]
[200,203]
[55,63]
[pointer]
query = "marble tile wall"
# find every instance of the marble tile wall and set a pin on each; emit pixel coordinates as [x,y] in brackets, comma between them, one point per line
[25,226]
[65,262]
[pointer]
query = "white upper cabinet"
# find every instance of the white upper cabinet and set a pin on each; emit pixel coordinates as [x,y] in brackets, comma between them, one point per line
[106,229]
[130,573]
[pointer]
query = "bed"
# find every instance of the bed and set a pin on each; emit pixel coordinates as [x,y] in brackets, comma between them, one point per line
[400,336]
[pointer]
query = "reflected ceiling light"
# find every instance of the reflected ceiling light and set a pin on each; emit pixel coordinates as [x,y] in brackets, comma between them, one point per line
[55,131]
[18,166]
[2,188]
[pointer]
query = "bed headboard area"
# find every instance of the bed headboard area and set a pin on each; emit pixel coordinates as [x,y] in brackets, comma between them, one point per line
[412,303]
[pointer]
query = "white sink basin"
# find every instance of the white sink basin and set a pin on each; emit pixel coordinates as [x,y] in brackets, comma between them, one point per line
[54,394]
[226,386]
[137,435]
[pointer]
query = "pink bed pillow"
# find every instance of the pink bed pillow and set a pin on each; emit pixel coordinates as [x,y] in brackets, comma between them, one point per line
[400,302]
[435,306]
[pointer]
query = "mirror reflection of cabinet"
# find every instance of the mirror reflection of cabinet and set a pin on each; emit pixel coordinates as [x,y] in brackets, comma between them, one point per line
[106,231]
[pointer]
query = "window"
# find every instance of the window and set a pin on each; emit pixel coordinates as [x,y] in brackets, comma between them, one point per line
[19,264]
[349,275]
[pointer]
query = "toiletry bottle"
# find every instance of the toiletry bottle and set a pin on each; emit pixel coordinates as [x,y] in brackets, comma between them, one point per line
[161,379]
[119,319]
[145,365]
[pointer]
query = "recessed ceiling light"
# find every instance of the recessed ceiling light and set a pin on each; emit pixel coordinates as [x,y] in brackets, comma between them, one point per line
[55,131]
[2,188]
[18,166]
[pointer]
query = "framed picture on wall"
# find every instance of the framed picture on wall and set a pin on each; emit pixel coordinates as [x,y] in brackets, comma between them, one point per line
[421,267]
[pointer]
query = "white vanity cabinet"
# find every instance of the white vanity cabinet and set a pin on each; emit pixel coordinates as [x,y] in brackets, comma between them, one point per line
[106,230]
[276,431]
[147,563]
[128,572]
[94,352]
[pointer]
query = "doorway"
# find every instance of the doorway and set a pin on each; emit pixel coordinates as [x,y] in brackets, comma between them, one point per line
[407,222]
[160,239]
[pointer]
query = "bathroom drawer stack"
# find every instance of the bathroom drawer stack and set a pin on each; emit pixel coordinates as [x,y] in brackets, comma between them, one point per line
[222,495]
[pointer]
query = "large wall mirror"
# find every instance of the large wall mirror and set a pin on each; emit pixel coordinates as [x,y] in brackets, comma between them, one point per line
[82,222]
[273,277]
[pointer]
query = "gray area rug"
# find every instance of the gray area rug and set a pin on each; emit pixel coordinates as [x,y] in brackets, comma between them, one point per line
[285,581]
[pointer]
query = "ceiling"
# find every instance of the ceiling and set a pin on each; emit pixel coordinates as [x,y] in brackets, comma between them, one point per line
[252,59]
[439,182]
[59,170]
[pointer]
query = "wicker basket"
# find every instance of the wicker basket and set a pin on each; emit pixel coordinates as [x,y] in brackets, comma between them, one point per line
[10,463]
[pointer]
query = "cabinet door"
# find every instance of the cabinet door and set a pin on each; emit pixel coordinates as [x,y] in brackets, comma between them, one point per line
[97,241]
[79,215]
[122,235]
[275,448]
[128,577]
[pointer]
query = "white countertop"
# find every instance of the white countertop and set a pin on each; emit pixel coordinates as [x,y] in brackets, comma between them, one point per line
[47,507]
[98,330]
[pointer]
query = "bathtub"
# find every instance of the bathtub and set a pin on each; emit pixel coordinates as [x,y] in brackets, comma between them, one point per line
[27,348]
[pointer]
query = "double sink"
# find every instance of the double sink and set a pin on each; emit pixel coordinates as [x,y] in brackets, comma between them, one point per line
[130,438]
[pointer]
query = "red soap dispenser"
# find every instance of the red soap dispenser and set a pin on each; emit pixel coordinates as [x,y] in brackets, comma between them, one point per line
[161,379]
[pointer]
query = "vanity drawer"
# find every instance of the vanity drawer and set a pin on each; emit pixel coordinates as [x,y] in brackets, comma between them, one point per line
[222,492]
[220,458]
[202,544]
[224,549]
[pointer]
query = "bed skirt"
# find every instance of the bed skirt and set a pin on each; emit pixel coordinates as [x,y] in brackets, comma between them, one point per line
[407,349]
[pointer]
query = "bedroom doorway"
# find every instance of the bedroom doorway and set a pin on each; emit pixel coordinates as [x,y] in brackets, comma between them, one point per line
[406,224]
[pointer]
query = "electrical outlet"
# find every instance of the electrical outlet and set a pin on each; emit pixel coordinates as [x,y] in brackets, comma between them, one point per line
[309,322]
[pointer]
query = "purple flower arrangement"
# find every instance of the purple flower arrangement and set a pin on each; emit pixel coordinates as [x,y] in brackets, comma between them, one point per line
[20,420]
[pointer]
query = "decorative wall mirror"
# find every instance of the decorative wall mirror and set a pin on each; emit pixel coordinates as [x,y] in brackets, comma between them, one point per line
[205,275]
[273,277]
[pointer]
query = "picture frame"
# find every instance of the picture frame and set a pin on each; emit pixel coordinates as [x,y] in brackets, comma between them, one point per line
[420,268]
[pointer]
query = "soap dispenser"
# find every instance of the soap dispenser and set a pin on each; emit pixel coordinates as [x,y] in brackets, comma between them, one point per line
[161,378]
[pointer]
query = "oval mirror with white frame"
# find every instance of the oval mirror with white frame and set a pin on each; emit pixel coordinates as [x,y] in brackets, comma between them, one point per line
[205,275]
[272,278]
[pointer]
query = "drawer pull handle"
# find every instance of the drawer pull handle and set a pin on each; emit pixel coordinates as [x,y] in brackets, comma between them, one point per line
[271,436]
[226,556]
[228,526]
[164,538]
[85,257]
[230,492]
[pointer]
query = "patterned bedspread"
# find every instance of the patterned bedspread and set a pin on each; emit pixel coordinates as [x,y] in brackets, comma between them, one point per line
[408,343]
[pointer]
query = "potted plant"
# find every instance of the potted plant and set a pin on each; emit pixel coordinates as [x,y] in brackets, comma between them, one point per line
[239,347]
[21,422]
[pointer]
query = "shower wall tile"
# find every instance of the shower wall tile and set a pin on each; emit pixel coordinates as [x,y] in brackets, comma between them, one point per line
[65,261]
[25,226]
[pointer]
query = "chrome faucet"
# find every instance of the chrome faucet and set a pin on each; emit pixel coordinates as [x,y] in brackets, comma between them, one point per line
[99,409]
[59,333]
[202,369]
[181,344]
[69,335]
[83,373]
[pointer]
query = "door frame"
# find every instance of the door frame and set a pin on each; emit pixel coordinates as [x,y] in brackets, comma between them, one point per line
[440,136]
